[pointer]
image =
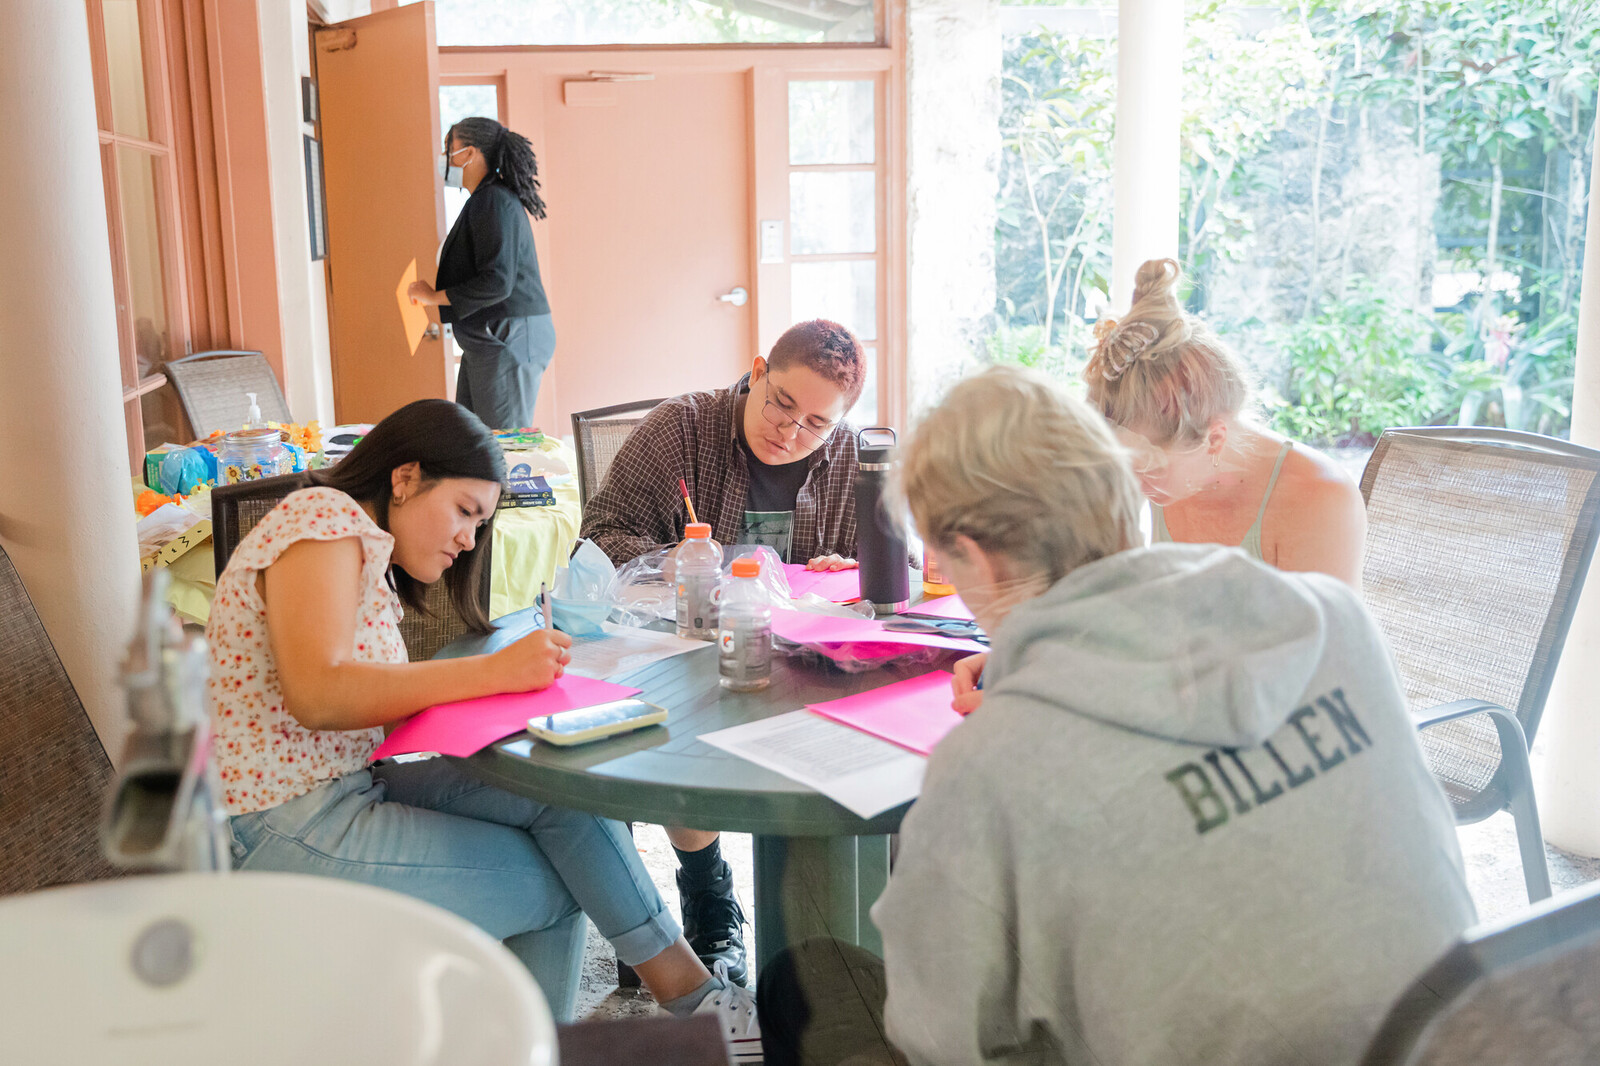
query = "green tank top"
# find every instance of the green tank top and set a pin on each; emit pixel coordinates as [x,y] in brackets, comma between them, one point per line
[1251,544]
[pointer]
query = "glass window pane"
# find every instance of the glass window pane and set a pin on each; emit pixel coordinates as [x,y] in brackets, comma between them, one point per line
[549,22]
[846,293]
[865,412]
[457,102]
[832,212]
[141,235]
[125,69]
[831,122]
[162,418]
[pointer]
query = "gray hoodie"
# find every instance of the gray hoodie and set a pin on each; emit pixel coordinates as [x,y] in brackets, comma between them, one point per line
[1191,823]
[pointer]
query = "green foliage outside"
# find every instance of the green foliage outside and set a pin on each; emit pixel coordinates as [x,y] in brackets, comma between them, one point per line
[1502,92]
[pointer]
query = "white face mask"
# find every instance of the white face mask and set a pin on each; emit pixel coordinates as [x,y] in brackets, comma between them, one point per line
[452,174]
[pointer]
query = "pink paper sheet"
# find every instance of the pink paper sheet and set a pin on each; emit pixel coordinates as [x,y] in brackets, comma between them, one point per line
[804,628]
[914,713]
[835,585]
[469,726]
[944,607]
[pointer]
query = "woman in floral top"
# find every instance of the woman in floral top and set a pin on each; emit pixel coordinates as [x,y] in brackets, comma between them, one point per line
[308,666]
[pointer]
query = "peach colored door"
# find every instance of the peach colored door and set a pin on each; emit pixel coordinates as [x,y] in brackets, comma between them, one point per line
[379,84]
[647,184]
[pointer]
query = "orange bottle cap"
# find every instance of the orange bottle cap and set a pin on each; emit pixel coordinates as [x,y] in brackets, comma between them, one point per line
[747,567]
[697,530]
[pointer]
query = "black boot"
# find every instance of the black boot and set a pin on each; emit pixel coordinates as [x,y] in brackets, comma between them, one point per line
[713,921]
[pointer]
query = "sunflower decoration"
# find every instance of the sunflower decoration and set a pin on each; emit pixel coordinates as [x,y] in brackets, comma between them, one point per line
[308,437]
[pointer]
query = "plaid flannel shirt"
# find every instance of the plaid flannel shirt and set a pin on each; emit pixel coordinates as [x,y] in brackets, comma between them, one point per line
[697,437]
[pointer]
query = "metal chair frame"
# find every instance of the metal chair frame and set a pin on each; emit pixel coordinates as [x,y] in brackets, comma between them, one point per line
[272,403]
[1511,786]
[583,445]
[1540,936]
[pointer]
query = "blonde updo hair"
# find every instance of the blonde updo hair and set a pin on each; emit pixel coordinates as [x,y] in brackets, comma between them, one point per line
[1025,470]
[1161,371]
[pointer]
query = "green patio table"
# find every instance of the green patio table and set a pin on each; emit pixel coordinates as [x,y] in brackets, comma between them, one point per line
[818,866]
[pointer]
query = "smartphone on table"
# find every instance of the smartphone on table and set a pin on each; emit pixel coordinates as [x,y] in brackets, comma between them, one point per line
[592,723]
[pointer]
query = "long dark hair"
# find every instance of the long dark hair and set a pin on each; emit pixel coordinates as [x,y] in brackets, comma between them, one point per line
[445,440]
[508,154]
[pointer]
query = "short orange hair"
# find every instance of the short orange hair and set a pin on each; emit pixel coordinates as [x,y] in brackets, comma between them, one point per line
[826,348]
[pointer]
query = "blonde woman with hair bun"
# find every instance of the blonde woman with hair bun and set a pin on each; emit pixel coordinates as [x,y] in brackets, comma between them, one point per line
[1178,398]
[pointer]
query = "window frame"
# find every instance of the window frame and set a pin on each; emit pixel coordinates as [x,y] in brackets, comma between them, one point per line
[158,147]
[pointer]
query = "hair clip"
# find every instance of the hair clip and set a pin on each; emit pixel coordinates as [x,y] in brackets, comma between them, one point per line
[1122,346]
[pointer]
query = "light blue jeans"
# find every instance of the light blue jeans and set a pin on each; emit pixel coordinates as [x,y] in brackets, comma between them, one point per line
[509,864]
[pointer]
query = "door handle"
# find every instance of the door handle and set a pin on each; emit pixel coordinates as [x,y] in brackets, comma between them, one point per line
[432,332]
[737,297]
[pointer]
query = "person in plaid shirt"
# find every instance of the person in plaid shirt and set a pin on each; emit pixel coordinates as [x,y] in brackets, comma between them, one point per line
[769,461]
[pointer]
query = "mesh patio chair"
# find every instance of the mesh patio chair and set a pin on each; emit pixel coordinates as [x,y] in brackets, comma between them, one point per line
[1478,542]
[212,387]
[597,436]
[1522,991]
[235,509]
[57,771]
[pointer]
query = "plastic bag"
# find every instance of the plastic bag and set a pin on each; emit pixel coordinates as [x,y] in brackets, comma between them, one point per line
[773,577]
[584,592]
[644,591]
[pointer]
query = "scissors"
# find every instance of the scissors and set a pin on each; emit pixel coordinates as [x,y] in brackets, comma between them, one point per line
[941,627]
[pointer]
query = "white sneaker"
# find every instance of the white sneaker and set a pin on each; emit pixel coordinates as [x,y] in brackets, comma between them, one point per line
[735,1009]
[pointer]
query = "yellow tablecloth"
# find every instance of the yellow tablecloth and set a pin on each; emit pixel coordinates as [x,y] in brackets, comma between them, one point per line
[530,543]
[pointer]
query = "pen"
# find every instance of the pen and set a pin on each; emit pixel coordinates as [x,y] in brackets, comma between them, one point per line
[544,598]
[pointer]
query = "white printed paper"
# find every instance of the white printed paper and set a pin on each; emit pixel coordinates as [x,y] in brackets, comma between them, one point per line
[858,771]
[624,649]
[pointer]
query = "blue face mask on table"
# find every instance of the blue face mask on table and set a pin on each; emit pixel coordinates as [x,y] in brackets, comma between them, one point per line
[584,592]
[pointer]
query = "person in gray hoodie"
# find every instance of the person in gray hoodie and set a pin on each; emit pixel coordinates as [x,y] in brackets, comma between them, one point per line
[1190,821]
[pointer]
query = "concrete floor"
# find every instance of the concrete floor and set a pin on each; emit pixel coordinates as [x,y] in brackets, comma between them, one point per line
[1489,849]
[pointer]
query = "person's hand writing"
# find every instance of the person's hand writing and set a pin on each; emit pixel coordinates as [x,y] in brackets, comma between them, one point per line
[831,562]
[422,293]
[967,696]
[534,661]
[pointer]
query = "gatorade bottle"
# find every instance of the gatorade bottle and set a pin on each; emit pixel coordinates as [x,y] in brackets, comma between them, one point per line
[698,571]
[744,636]
[933,581]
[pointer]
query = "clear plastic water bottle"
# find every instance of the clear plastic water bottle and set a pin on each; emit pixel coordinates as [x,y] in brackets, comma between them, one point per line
[744,634]
[697,570]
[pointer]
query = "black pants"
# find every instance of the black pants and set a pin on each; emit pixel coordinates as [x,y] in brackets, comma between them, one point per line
[821,1004]
[501,364]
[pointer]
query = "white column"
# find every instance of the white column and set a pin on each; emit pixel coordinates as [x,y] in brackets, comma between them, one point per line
[1569,773]
[953,54]
[1149,95]
[302,285]
[66,518]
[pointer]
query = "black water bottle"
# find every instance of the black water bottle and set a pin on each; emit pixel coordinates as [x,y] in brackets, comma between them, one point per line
[881,536]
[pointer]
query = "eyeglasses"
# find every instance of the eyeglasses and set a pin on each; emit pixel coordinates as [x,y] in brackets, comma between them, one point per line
[778,417]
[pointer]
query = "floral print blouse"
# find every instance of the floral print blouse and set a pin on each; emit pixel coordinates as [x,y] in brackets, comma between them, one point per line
[263,755]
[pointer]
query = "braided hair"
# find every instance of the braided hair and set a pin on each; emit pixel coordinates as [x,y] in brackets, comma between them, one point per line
[509,157]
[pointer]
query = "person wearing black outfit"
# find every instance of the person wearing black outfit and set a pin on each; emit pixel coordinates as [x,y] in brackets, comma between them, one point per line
[488,282]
